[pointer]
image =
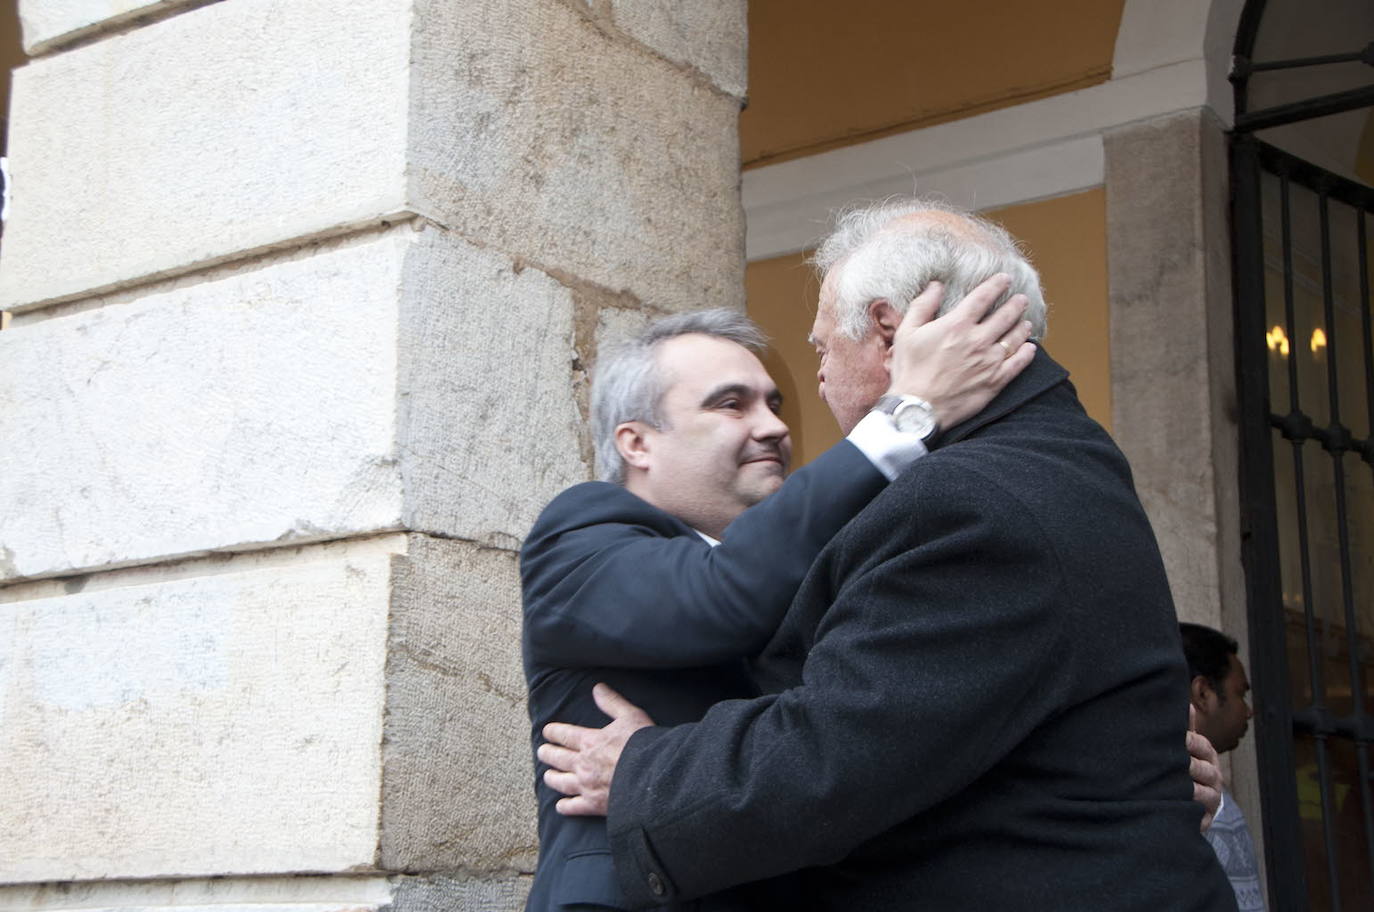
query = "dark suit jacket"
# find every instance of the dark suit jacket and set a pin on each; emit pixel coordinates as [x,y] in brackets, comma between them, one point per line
[978,702]
[616,590]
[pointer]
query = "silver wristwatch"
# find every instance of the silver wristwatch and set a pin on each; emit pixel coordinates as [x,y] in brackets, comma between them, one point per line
[910,415]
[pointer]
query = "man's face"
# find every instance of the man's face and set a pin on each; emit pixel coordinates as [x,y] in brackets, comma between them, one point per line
[1227,715]
[723,447]
[853,373]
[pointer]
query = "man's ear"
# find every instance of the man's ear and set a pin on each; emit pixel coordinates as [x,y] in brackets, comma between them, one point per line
[1198,692]
[886,318]
[631,441]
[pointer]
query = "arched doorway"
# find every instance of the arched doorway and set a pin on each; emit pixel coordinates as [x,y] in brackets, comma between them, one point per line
[1303,221]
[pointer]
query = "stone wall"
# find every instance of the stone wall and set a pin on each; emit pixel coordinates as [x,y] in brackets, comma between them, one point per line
[304,305]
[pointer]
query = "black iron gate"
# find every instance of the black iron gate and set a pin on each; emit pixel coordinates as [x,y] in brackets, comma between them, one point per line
[1305,361]
[1306,365]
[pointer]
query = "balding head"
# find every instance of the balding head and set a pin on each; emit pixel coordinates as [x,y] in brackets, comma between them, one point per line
[892,250]
[955,223]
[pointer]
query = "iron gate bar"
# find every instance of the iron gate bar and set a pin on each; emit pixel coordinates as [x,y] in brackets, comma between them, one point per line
[1314,669]
[1337,444]
[1361,56]
[1247,30]
[1307,109]
[1312,722]
[1287,875]
[1367,451]
[1244,67]
[1362,738]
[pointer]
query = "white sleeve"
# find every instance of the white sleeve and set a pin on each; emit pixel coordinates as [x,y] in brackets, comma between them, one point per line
[890,450]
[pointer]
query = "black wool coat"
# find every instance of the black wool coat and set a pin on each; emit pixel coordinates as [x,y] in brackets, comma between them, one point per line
[977,701]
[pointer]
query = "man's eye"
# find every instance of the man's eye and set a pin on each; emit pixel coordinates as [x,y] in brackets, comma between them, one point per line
[728,404]
[775,407]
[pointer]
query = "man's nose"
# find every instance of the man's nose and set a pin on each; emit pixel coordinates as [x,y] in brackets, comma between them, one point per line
[769,425]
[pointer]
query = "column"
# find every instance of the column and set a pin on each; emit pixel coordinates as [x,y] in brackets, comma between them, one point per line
[305,296]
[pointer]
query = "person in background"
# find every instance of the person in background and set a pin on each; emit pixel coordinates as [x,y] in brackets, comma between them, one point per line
[1218,689]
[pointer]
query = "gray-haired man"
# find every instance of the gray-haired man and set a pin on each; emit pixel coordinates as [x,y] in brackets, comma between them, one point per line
[621,580]
[973,701]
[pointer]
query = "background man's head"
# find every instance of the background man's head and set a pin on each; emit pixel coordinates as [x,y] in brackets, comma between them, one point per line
[685,416]
[1218,688]
[876,260]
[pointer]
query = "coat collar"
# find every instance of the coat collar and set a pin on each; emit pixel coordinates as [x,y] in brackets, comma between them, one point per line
[1040,375]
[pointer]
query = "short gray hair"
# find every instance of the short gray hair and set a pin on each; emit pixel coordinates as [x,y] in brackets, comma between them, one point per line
[878,259]
[628,384]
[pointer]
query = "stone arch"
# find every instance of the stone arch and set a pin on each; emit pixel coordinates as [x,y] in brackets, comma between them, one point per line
[1156,33]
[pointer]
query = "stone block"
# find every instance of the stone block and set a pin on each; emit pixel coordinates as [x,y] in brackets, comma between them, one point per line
[230,128]
[708,35]
[358,711]
[51,23]
[458,781]
[238,127]
[405,379]
[255,408]
[447,894]
[215,725]
[565,144]
[331,893]
[490,427]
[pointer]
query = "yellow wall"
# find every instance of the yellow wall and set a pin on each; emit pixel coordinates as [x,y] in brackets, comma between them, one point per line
[782,300]
[11,56]
[823,74]
[1066,239]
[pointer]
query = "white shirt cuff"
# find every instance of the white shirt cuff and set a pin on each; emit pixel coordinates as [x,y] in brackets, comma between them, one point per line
[890,451]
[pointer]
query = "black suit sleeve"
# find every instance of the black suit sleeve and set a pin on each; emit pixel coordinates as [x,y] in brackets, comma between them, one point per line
[936,657]
[631,587]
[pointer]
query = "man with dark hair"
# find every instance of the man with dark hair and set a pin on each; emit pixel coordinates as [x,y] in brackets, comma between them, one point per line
[1217,690]
[1219,685]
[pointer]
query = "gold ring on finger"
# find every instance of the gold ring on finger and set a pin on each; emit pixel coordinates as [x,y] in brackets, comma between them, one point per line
[1006,349]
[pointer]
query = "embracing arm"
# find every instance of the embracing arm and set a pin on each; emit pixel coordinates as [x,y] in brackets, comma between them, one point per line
[625,585]
[924,674]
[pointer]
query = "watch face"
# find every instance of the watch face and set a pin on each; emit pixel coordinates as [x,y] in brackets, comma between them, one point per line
[914,418]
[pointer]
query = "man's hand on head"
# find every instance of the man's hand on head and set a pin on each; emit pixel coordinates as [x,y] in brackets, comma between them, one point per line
[958,362]
[1204,767]
[582,760]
